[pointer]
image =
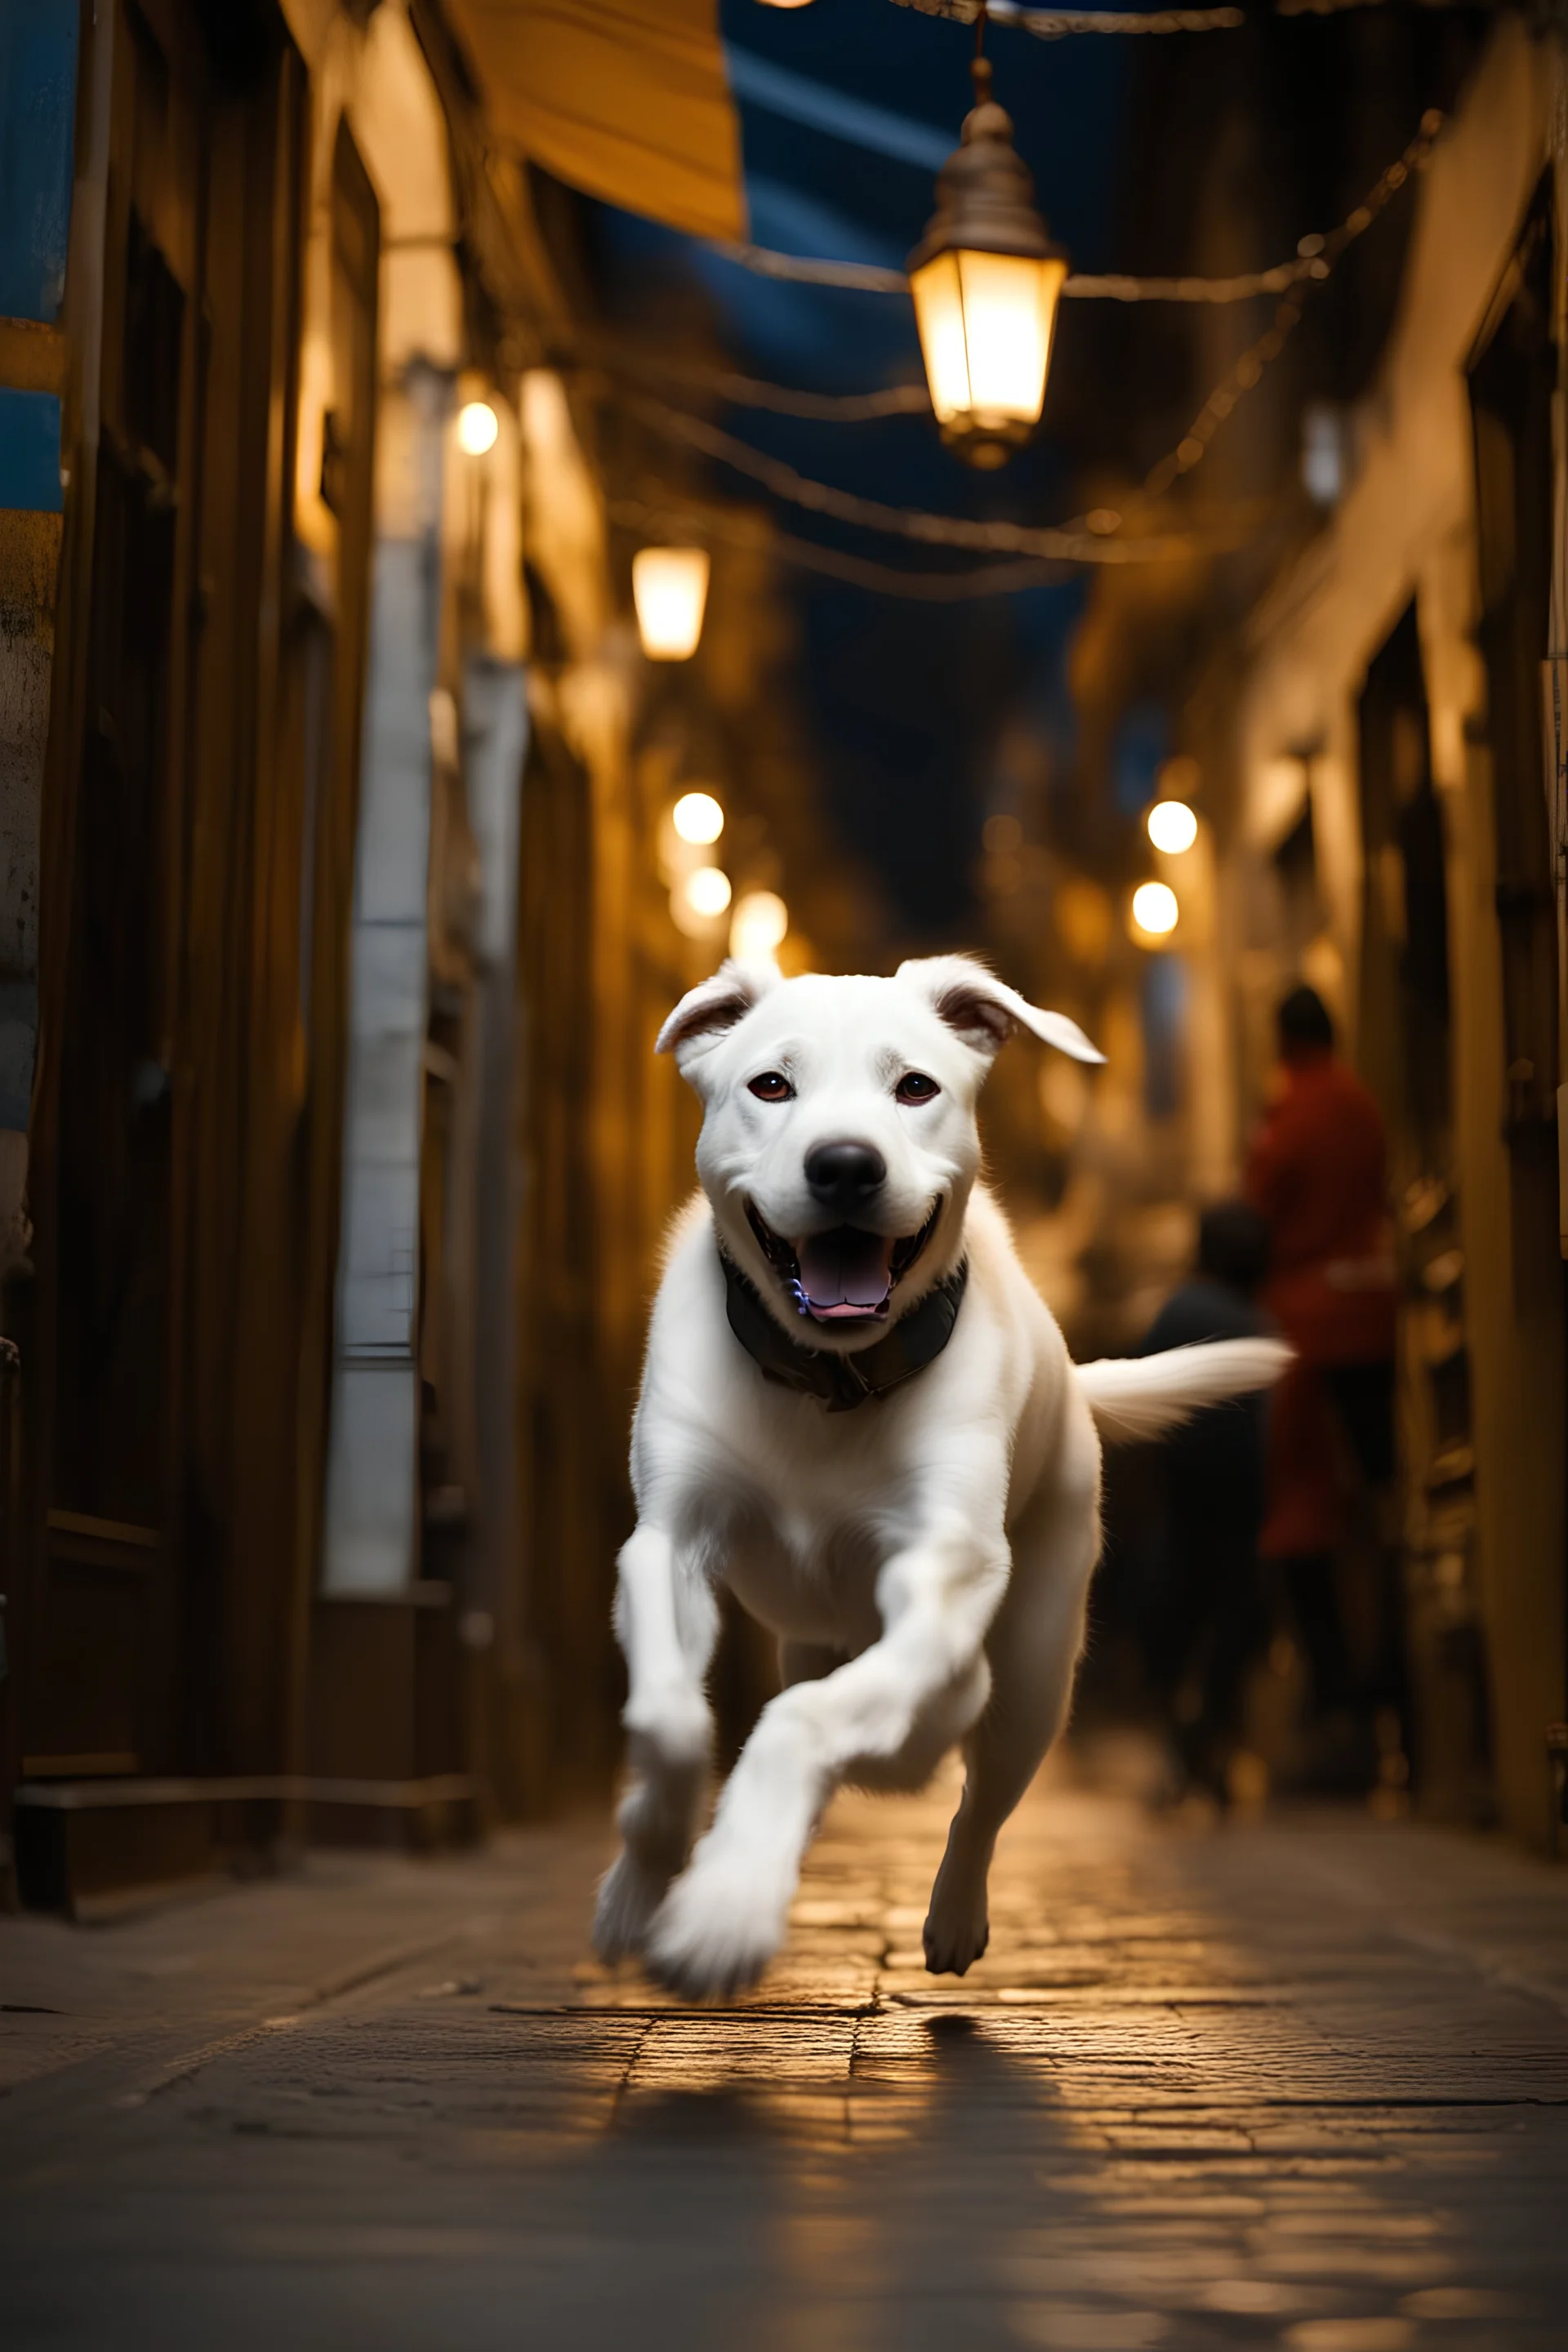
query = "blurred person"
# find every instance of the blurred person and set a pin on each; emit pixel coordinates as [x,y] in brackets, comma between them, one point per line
[1317,1173]
[1207,1619]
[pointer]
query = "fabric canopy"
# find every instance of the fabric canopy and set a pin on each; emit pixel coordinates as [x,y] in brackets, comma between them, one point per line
[627,99]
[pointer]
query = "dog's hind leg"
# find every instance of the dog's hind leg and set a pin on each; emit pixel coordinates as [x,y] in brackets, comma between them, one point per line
[1034,1648]
[666,1622]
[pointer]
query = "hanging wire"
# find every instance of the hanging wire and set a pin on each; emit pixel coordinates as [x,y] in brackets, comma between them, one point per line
[1078,541]
[1091,540]
[1247,372]
[1053,24]
[1313,258]
[1058,24]
[748,391]
[673,516]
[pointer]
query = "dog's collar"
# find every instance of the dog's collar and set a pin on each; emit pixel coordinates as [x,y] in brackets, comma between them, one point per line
[841,1382]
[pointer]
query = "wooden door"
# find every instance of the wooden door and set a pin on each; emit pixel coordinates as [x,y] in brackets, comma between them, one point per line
[103,1668]
[160,1003]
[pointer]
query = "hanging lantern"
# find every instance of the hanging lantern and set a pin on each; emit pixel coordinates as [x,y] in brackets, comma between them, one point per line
[669,588]
[987,279]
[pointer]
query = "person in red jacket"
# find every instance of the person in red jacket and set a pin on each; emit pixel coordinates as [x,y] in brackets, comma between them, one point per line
[1317,1171]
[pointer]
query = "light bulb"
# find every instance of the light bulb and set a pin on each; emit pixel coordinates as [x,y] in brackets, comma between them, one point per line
[1154,909]
[707,891]
[669,588]
[758,926]
[477,425]
[1173,827]
[698,817]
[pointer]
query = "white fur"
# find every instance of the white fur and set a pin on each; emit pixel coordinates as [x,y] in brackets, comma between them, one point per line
[924,1559]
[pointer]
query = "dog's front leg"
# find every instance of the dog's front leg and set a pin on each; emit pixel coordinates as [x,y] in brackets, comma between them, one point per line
[724,1919]
[666,1622]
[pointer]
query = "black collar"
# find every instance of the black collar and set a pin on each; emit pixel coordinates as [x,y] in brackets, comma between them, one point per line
[841,1382]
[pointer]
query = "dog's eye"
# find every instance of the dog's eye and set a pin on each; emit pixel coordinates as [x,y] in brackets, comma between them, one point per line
[773,1086]
[914,1087]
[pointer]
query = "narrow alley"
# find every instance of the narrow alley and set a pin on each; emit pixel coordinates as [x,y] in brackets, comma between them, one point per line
[1299,2080]
[784,1011]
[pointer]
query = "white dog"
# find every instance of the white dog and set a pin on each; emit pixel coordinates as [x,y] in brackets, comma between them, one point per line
[858,1413]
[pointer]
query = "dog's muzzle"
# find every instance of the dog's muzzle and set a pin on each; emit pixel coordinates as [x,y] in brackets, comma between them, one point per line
[844,1275]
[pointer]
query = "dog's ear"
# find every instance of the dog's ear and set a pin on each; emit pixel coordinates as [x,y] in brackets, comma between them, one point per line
[984,1012]
[706,1012]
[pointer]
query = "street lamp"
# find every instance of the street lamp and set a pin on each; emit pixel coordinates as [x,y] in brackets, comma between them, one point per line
[669,588]
[987,279]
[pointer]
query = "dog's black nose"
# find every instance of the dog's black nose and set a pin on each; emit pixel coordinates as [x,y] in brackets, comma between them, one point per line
[845,1175]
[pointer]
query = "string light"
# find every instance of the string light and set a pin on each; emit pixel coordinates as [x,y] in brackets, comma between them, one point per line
[477,427]
[1155,909]
[758,927]
[1172,826]
[706,890]
[697,818]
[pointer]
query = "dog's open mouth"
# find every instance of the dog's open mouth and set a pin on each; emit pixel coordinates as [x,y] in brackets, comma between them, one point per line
[844,1275]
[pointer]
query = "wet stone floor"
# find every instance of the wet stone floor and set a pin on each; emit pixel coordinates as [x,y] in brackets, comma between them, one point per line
[1301,2081]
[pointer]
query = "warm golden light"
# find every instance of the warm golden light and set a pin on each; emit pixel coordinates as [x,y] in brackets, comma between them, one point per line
[1173,827]
[758,926]
[477,425]
[1154,909]
[698,817]
[985,324]
[669,588]
[707,891]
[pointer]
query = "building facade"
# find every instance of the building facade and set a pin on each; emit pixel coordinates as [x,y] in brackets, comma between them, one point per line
[334,950]
[1386,753]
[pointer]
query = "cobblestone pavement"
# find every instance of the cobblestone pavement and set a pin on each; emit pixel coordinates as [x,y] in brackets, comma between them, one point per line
[1298,2082]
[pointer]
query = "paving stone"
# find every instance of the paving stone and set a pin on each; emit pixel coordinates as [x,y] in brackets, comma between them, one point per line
[1299,2082]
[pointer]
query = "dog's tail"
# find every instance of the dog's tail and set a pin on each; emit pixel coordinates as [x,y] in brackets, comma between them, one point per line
[1139,1396]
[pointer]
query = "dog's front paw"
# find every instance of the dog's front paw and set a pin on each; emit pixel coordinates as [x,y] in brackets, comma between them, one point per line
[957,1930]
[716,1931]
[629,1894]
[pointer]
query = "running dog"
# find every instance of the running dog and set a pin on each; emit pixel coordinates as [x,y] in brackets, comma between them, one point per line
[857,1412]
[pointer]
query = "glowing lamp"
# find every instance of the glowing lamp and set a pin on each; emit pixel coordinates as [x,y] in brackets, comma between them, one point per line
[698,817]
[1173,827]
[758,926]
[669,588]
[1154,909]
[477,425]
[706,890]
[987,279]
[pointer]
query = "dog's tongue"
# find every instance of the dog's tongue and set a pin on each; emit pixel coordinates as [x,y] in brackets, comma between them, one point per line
[845,1273]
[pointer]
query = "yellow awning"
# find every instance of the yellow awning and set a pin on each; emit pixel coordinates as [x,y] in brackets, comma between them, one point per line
[627,99]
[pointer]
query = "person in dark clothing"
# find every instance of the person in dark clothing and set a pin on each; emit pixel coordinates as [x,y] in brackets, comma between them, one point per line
[1209,1618]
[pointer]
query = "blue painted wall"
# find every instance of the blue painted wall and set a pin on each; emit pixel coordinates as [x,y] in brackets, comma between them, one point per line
[29,452]
[37,112]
